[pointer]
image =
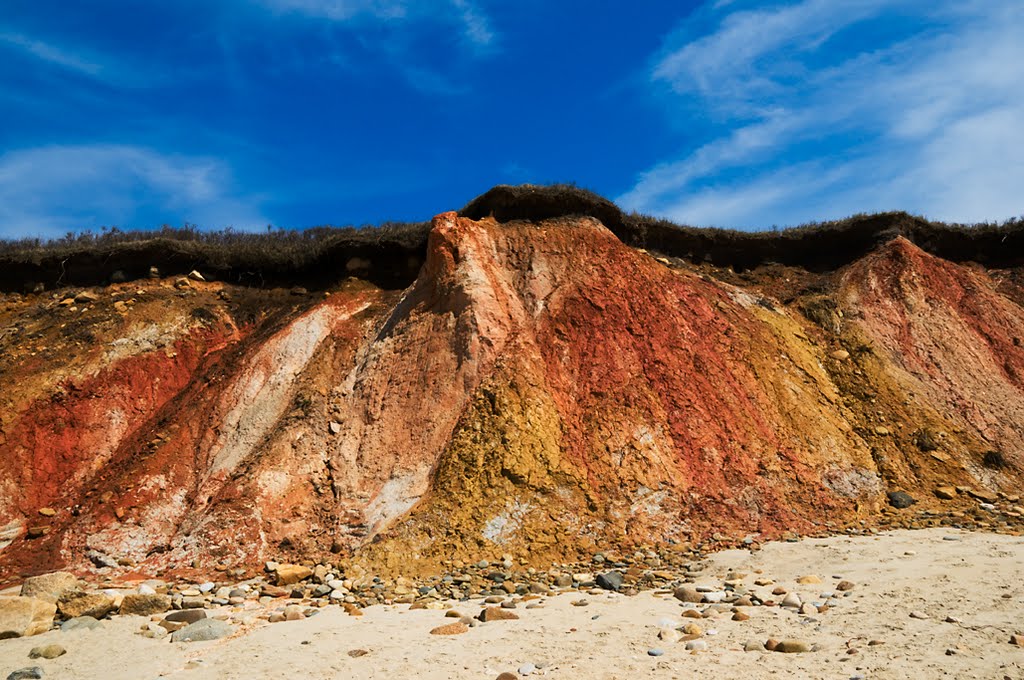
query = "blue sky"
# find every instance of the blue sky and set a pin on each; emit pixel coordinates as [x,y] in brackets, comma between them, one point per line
[296,113]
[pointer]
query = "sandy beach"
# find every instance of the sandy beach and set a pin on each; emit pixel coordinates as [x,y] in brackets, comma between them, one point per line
[934,603]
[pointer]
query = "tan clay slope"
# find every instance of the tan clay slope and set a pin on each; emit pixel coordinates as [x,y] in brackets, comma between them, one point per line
[541,389]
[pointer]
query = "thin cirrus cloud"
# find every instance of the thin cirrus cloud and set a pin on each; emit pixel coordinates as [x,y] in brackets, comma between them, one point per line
[49,191]
[50,53]
[811,115]
[474,23]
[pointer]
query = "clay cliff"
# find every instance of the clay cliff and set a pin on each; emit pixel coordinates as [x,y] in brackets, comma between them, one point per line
[541,389]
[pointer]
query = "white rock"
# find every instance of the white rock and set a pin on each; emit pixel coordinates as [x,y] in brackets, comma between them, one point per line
[697,646]
[206,587]
[146,590]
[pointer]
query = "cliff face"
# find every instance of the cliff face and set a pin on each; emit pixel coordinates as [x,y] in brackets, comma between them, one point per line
[539,390]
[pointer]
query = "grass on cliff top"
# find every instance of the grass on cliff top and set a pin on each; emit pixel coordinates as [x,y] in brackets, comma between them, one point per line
[390,252]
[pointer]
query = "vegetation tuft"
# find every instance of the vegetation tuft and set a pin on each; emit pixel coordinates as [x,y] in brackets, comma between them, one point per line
[390,255]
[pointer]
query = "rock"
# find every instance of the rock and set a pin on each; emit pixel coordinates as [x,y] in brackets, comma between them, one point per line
[496,614]
[740,616]
[85,297]
[101,560]
[203,630]
[753,646]
[294,612]
[563,580]
[81,623]
[30,673]
[792,647]
[527,669]
[356,653]
[692,614]
[693,629]
[47,652]
[655,651]
[668,634]
[47,512]
[144,605]
[946,493]
[49,587]
[611,580]
[287,574]
[334,427]
[207,587]
[688,594]
[508,676]
[810,579]
[24,616]
[791,600]
[844,586]
[186,616]
[697,646]
[919,615]
[1017,640]
[195,276]
[900,499]
[457,628]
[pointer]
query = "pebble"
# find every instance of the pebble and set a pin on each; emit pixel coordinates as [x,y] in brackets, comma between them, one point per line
[655,651]
[356,653]
[202,630]
[47,652]
[753,646]
[919,615]
[508,676]
[697,646]
[30,673]
[457,628]
[791,600]
[527,669]
[80,623]
[792,647]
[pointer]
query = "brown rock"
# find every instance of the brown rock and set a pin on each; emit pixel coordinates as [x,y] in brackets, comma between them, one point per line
[496,614]
[843,586]
[946,493]
[356,653]
[810,579]
[457,628]
[692,614]
[507,676]
[351,609]
[287,574]
[74,604]
[740,616]
[688,594]
[47,652]
[1017,639]
[186,616]
[24,616]
[792,647]
[771,644]
[144,605]
[49,587]
[47,512]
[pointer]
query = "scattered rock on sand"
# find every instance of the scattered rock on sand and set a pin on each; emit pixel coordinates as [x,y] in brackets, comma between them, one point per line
[496,614]
[457,628]
[77,603]
[287,574]
[527,669]
[792,647]
[47,652]
[30,673]
[611,580]
[696,646]
[810,579]
[186,616]
[753,646]
[200,631]
[356,653]
[1017,639]
[508,676]
[80,623]
[655,651]
[49,587]
[844,586]
[24,616]
[688,594]
[919,615]
[144,605]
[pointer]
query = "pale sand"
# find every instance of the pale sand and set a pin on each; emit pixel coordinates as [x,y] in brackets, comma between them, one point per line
[966,578]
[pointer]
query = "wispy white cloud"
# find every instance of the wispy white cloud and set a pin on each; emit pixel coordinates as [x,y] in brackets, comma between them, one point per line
[473,22]
[820,120]
[48,191]
[51,53]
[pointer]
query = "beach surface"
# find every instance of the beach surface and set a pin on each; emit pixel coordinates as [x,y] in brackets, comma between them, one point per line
[936,603]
